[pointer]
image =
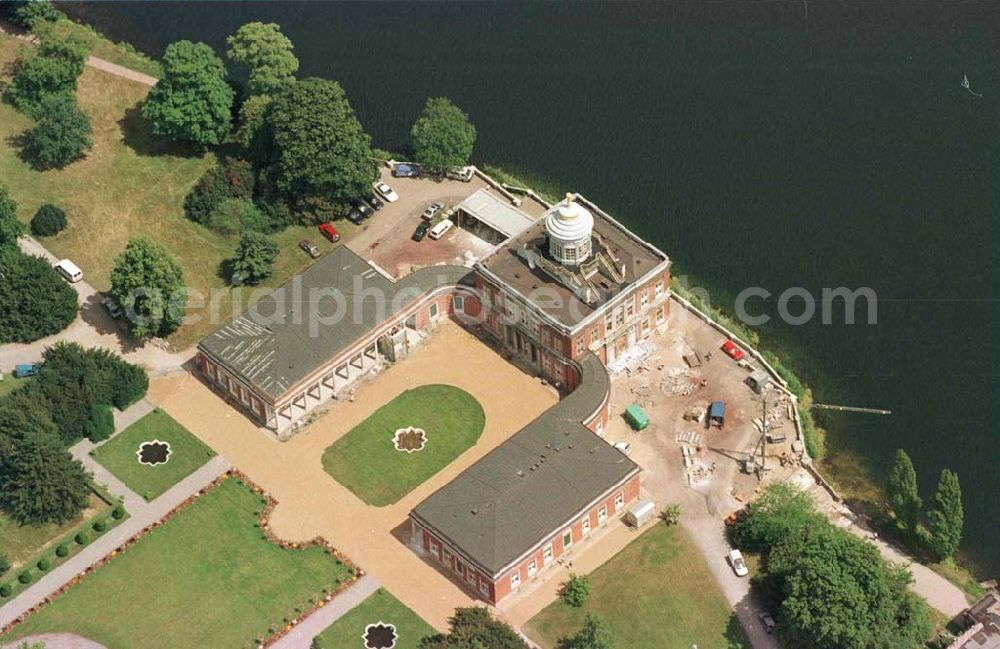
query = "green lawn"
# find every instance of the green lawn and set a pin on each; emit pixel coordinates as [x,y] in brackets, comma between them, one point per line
[206,578]
[366,461]
[131,183]
[346,633]
[118,455]
[9,383]
[100,46]
[657,592]
[23,543]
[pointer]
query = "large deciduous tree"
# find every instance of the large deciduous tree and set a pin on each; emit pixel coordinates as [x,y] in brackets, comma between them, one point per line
[780,512]
[318,151]
[149,285]
[61,135]
[836,591]
[475,628]
[594,634]
[36,301]
[11,228]
[193,101]
[442,136]
[40,482]
[267,53]
[254,259]
[901,489]
[946,516]
[53,70]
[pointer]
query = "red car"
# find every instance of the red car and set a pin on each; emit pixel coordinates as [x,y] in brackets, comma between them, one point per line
[732,350]
[327,231]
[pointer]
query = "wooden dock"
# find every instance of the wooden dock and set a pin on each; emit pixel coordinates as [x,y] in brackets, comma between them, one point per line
[868,411]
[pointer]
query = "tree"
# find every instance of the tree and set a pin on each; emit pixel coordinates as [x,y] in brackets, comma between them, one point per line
[252,114]
[36,301]
[901,489]
[4,563]
[49,220]
[781,511]
[267,53]
[575,591]
[946,516]
[475,628]
[236,215]
[594,634]
[101,424]
[254,258]
[317,148]
[671,515]
[33,13]
[149,286]
[442,137]
[11,228]
[61,135]
[226,180]
[192,102]
[835,590]
[53,70]
[42,483]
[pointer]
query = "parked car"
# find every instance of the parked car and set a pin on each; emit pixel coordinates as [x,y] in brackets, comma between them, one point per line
[768,621]
[432,210]
[311,248]
[624,447]
[366,211]
[329,232]
[355,216]
[385,191]
[405,171]
[112,307]
[25,369]
[421,231]
[461,173]
[69,270]
[738,564]
[731,350]
[439,230]
[374,201]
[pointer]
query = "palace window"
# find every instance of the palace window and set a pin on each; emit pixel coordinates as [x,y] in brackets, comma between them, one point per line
[515,580]
[532,568]
[643,298]
[567,539]
[659,288]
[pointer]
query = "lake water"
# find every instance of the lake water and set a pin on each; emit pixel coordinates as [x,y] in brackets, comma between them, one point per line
[801,144]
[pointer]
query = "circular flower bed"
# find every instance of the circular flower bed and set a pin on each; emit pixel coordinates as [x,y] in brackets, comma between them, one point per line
[380,636]
[153,452]
[410,439]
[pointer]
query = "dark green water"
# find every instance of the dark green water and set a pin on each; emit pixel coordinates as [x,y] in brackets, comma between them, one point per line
[775,145]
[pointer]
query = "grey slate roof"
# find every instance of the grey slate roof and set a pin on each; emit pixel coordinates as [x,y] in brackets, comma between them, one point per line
[528,487]
[295,329]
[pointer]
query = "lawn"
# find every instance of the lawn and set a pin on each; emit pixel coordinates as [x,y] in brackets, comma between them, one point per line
[366,461]
[346,633]
[131,183]
[22,543]
[206,578]
[118,455]
[8,384]
[100,46]
[657,592]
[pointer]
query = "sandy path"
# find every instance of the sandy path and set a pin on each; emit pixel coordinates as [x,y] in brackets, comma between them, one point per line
[313,503]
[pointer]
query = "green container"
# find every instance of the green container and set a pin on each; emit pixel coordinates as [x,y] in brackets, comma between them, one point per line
[636,417]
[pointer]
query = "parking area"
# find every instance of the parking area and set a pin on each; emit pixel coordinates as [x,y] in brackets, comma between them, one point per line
[386,238]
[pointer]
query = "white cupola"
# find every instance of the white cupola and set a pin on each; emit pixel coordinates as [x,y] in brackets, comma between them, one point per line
[569,226]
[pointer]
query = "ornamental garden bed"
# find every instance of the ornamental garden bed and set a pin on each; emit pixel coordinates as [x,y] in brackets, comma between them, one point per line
[152,477]
[367,461]
[657,592]
[35,551]
[208,575]
[381,606]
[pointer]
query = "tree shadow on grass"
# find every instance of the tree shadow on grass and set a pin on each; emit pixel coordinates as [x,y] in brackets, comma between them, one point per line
[136,135]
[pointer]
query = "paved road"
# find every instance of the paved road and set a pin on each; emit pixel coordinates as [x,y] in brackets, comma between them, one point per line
[93,327]
[142,515]
[302,635]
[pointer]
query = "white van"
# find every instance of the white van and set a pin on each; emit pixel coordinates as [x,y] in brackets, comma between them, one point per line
[69,270]
[438,230]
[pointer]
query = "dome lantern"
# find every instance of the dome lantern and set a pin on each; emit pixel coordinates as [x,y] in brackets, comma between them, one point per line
[569,226]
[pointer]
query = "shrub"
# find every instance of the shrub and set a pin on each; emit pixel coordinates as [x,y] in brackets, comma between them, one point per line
[228,179]
[48,221]
[101,424]
[44,564]
[236,215]
[118,512]
[25,577]
[4,563]
[81,538]
[62,550]
[575,591]
[33,12]
[318,643]
[100,525]
[671,515]
[6,589]
[36,301]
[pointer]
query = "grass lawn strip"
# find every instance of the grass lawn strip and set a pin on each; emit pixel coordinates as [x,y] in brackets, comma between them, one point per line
[657,592]
[187,454]
[207,577]
[366,461]
[380,606]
